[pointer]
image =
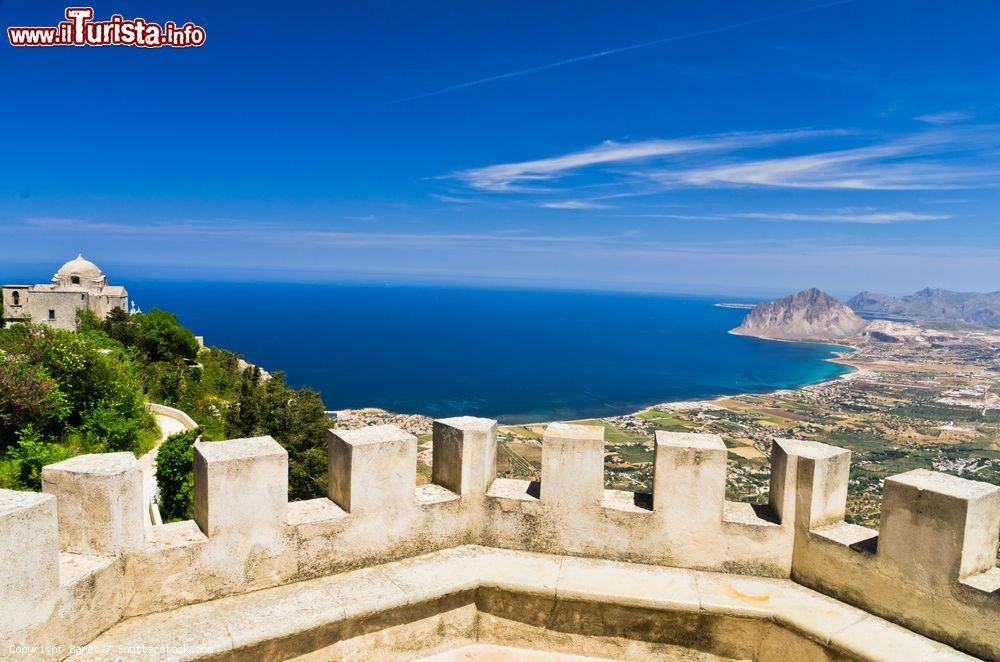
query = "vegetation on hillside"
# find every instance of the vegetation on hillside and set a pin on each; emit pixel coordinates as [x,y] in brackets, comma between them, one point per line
[64,393]
[227,397]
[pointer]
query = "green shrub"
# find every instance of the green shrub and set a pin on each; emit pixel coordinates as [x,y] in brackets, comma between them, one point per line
[30,454]
[175,476]
[28,397]
[108,430]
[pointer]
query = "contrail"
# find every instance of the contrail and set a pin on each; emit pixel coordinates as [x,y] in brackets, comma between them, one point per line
[614,51]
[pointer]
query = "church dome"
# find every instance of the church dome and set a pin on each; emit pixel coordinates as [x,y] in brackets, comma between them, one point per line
[79,267]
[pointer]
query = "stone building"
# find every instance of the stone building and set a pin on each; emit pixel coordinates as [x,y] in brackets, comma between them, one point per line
[78,285]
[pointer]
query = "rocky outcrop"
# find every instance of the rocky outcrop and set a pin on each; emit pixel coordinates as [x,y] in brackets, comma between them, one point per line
[888,331]
[933,304]
[807,315]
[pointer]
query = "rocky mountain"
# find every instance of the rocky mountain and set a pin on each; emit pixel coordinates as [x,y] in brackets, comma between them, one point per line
[933,305]
[807,315]
[871,301]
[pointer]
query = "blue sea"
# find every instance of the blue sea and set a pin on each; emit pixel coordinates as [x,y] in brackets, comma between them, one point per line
[515,355]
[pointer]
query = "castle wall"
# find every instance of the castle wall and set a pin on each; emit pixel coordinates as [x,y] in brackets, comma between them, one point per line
[37,303]
[932,563]
[65,305]
[932,569]
[104,304]
[688,523]
[11,311]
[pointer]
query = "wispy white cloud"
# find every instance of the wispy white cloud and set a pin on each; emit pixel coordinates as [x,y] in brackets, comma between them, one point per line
[676,217]
[846,216]
[574,204]
[945,117]
[945,201]
[521,176]
[865,215]
[218,228]
[454,199]
[934,159]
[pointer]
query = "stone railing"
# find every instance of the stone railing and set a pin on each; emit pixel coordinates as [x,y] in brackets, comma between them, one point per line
[170,412]
[76,558]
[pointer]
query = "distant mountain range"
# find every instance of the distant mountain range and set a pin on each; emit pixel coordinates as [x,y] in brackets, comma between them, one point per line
[806,315]
[932,305]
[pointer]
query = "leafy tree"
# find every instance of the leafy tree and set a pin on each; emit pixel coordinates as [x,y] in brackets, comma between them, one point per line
[244,416]
[165,382]
[87,320]
[160,337]
[295,418]
[305,438]
[175,475]
[118,325]
[28,397]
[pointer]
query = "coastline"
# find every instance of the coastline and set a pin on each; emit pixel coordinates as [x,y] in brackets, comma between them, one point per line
[855,372]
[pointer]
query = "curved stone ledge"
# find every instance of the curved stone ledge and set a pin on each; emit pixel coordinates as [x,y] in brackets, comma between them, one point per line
[526,599]
[176,414]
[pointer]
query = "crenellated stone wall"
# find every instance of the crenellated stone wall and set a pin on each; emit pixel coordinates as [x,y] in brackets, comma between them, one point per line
[76,559]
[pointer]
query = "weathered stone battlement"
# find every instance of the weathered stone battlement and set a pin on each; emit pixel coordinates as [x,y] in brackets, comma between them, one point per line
[76,560]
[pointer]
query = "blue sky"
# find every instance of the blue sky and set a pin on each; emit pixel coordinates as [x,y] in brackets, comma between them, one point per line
[731,147]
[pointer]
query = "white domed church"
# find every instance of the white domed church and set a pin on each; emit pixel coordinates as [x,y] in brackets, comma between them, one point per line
[78,285]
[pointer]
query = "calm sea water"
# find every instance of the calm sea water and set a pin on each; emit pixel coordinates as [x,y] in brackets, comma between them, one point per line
[510,354]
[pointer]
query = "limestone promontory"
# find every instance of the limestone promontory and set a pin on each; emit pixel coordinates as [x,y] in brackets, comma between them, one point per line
[807,315]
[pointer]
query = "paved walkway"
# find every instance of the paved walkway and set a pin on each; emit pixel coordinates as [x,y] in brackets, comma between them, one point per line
[147,462]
